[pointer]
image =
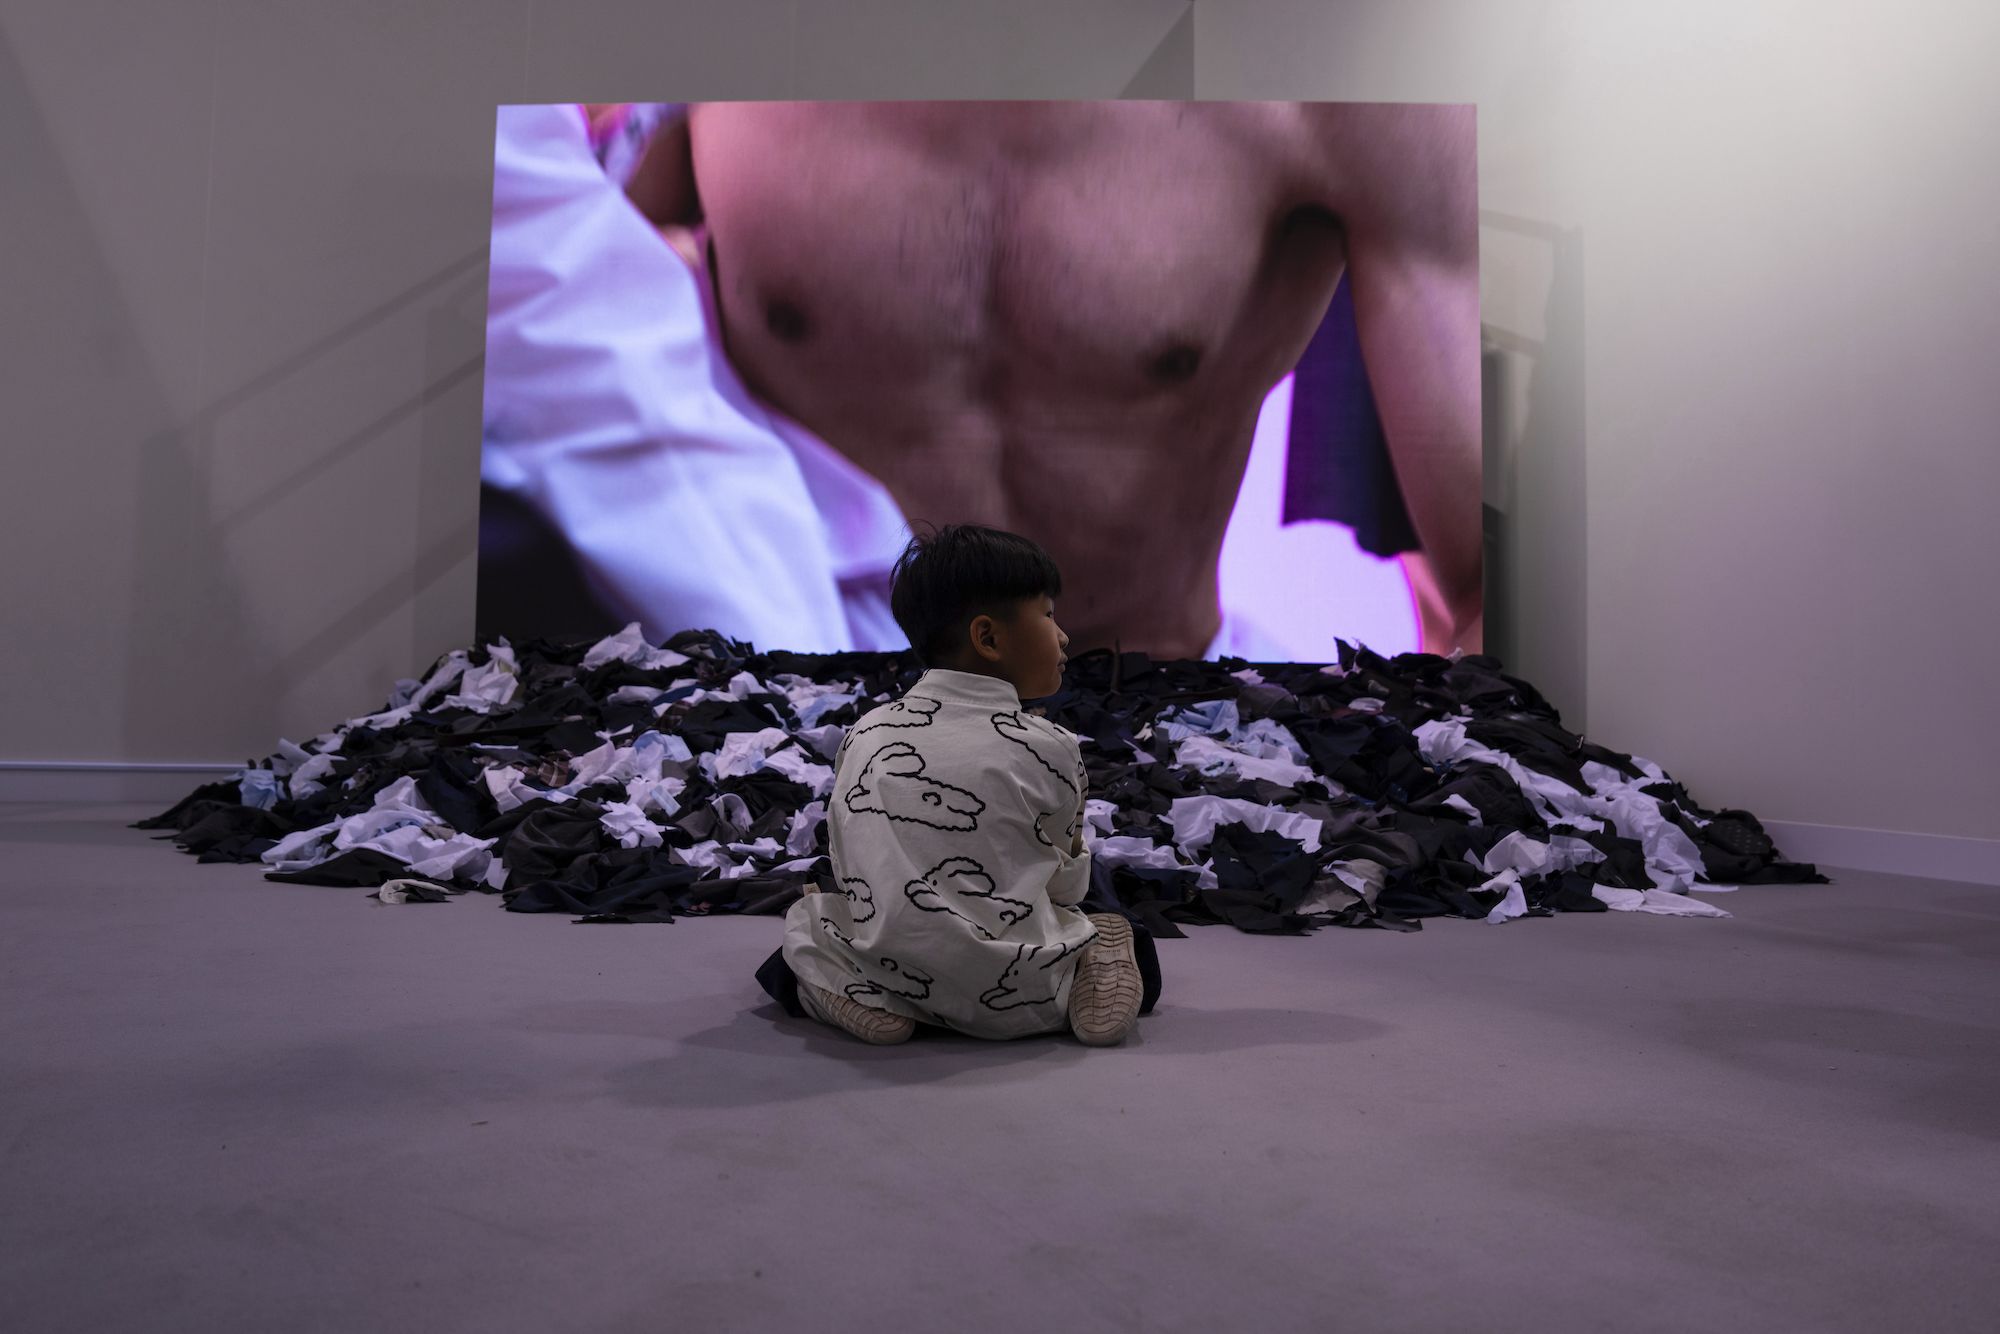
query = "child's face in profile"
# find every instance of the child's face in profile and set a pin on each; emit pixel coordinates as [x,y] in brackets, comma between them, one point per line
[1029,648]
[1044,648]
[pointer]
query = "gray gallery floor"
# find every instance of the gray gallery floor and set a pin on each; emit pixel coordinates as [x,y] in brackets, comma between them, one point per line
[227,1104]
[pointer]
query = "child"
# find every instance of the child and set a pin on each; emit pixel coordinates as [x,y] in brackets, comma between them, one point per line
[955,826]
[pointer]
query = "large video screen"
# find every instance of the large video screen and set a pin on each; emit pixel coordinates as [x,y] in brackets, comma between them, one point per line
[1221,359]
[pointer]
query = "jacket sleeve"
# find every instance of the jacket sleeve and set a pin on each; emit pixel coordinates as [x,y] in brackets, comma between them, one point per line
[1071,881]
[1082,801]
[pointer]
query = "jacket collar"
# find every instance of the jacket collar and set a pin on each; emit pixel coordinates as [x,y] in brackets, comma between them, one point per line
[986,692]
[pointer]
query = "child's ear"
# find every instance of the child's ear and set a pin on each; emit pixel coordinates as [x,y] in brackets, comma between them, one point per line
[985,642]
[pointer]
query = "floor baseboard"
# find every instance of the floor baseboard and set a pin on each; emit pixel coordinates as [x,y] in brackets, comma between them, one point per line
[90,781]
[1939,856]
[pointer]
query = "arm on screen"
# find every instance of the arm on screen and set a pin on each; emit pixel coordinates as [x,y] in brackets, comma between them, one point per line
[662,187]
[1409,208]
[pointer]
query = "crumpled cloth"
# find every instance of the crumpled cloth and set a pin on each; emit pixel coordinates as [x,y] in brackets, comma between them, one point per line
[622,780]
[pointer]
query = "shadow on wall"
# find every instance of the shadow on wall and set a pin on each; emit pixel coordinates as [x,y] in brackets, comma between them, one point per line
[180,537]
[183,639]
[87,373]
[1535,529]
[163,592]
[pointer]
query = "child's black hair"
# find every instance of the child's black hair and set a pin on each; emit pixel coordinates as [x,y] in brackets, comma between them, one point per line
[958,572]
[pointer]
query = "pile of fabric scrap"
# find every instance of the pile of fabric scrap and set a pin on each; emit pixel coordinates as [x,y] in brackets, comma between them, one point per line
[626,782]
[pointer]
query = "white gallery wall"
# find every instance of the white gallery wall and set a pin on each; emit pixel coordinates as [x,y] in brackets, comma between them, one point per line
[1739,283]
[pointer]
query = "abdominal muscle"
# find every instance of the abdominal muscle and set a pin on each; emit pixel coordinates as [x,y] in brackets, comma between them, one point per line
[1023,315]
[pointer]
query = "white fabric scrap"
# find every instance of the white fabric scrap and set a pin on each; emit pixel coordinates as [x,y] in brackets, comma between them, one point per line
[630,826]
[290,755]
[629,645]
[1194,820]
[461,854]
[398,891]
[509,788]
[1654,901]
[1359,875]
[739,687]
[398,824]
[1126,851]
[1515,904]
[388,718]
[790,762]
[301,848]
[800,838]
[743,753]
[442,679]
[305,780]
[590,766]
[1211,757]
[706,855]
[484,689]
[1531,857]
[764,849]
[656,794]
[647,757]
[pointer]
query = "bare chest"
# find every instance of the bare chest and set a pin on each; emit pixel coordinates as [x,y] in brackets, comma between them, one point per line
[1016,252]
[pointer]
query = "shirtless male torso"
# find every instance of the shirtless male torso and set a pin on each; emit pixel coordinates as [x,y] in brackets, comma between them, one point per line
[1062,318]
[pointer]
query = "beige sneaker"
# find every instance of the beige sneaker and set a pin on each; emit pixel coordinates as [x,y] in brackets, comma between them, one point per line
[863,1021]
[1104,996]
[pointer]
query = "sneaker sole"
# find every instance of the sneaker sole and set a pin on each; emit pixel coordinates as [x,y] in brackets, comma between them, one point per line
[877,1027]
[1105,1008]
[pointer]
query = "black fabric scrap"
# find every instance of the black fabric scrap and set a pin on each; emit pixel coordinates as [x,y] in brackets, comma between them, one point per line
[172,817]
[452,785]
[213,826]
[551,840]
[357,868]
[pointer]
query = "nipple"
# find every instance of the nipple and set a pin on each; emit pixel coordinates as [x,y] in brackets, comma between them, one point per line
[787,322]
[1176,365]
